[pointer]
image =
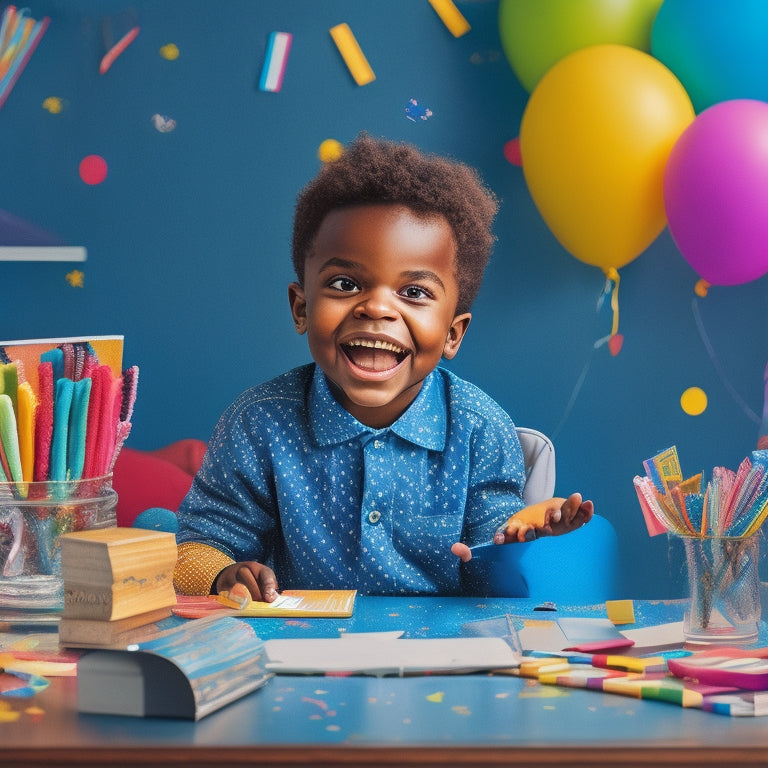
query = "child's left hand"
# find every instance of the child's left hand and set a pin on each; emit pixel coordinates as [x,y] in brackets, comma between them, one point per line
[547,518]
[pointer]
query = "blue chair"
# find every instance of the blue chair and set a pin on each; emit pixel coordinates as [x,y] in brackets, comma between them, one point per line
[578,568]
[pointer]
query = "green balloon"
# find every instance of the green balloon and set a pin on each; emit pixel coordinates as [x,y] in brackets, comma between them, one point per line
[536,34]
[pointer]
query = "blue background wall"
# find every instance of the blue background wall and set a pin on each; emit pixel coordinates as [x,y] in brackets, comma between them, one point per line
[188,237]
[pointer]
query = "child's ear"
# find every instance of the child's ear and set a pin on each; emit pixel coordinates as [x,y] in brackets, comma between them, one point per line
[455,335]
[298,303]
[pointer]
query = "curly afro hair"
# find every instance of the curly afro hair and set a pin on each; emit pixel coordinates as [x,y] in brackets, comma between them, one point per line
[374,171]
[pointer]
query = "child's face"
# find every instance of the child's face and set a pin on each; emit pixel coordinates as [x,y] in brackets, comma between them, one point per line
[378,305]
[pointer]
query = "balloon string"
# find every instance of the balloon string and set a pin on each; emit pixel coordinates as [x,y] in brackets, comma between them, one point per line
[716,363]
[574,394]
[613,275]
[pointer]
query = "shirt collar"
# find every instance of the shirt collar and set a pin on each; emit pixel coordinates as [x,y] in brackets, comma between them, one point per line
[424,423]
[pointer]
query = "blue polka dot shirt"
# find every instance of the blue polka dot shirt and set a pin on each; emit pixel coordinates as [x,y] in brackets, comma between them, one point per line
[292,479]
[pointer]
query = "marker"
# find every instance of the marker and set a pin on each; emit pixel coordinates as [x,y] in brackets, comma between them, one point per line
[275,60]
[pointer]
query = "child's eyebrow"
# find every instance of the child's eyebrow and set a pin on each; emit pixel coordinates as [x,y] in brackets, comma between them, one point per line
[338,263]
[424,274]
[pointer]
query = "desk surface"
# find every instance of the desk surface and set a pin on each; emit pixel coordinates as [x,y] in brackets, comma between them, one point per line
[432,720]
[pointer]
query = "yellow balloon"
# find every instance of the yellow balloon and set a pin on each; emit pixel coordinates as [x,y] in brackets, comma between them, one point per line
[595,137]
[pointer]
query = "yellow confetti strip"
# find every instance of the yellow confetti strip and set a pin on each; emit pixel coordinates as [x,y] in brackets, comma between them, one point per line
[352,54]
[451,16]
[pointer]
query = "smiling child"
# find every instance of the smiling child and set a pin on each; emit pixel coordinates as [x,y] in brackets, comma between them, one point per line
[371,468]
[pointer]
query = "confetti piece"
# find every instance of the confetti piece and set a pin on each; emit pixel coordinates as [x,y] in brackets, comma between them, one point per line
[169,52]
[352,54]
[75,278]
[275,61]
[451,16]
[414,111]
[694,401]
[117,49]
[330,150]
[54,105]
[620,611]
[512,152]
[163,124]
[436,697]
[93,169]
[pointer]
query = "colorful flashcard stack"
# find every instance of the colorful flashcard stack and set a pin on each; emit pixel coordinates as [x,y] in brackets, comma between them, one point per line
[64,413]
[732,504]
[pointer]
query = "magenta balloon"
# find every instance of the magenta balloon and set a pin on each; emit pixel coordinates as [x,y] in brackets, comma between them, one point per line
[716,192]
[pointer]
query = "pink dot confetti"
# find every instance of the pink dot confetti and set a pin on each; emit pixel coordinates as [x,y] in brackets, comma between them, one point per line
[93,169]
[512,152]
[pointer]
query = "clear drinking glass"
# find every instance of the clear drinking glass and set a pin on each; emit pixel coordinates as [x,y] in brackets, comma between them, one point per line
[33,517]
[725,589]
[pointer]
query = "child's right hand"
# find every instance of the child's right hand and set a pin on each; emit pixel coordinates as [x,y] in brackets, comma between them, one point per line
[258,579]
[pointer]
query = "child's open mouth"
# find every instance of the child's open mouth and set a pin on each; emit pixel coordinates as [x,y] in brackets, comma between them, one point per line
[374,355]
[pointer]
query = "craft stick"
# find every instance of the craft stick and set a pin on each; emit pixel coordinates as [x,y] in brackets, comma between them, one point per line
[101,380]
[110,417]
[10,439]
[275,61]
[56,358]
[121,435]
[130,387]
[6,30]
[78,419]
[68,350]
[27,410]
[62,404]
[352,54]
[9,381]
[451,16]
[117,49]
[44,421]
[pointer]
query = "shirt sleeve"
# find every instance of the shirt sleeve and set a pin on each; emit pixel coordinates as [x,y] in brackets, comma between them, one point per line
[197,567]
[496,477]
[231,506]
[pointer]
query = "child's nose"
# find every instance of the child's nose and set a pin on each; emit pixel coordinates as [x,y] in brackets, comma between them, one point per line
[376,304]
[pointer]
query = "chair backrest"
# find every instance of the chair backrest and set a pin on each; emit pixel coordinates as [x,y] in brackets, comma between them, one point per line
[577,568]
[539,457]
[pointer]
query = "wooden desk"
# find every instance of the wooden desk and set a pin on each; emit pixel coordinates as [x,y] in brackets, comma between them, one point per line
[419,721]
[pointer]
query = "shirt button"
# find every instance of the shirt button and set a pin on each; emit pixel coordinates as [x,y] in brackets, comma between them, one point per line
[374,516]
[377,443]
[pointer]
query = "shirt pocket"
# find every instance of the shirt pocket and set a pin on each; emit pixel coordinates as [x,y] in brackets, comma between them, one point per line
[426,539]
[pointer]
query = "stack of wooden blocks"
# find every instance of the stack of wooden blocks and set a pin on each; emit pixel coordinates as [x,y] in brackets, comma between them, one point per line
[118,582]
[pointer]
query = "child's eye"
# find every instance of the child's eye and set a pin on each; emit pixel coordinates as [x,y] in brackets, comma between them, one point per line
[415,292]
[344,284]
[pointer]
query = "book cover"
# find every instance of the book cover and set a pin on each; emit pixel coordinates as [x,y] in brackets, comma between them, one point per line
[187,672]
[114,556]
[294,603]
[114,573]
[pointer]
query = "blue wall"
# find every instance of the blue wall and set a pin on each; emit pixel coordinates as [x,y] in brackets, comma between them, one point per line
[189,237]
